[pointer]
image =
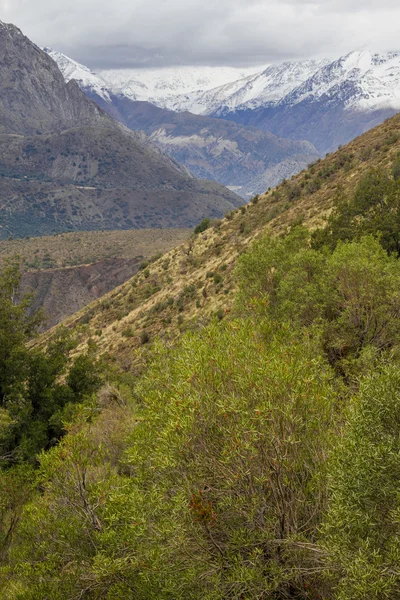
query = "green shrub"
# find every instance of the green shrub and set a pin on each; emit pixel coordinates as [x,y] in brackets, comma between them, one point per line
[396,170]
[144,337]
[205,224]
[128,332]
[361,530]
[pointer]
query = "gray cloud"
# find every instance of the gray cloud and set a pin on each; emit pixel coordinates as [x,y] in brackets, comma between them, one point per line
[123,33]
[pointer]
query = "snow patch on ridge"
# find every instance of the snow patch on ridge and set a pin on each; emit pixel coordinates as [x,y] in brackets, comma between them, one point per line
[85,78]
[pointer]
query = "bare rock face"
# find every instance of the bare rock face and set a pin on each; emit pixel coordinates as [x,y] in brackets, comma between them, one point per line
[33,95]
[65,164]
[235,155]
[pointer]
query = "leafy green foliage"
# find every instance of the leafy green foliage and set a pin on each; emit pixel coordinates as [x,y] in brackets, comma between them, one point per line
[224,476]
[205,224]
[373,210]
[350,297]
[258,458]
[32,394]
[362,526]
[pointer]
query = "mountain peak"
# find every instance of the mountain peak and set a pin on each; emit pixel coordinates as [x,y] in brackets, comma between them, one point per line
[73,70]
[361,60]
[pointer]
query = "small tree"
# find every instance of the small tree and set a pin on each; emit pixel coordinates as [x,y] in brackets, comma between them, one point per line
[16,328]
[205,224]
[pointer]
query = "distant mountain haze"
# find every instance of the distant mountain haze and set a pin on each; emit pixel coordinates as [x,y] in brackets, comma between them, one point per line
[326,102]
[244,158]
[65,164]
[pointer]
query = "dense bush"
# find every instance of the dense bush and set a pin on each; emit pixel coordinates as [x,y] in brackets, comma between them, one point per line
[205,224]
[349,298]
[361,530]
[36,386]
[373,209]
[224,481]
[257,459]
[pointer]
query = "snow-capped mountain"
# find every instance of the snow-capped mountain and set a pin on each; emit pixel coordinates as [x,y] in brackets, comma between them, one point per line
[340,101]
[164,87]
[161,86]
[85,78]
[327,103]
[245,159]
[268,86]
[361,80]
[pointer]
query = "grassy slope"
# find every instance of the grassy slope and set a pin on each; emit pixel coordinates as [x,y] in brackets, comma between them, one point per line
[81,248]
[184,274]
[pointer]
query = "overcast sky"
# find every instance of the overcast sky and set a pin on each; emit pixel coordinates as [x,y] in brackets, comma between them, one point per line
[129,33]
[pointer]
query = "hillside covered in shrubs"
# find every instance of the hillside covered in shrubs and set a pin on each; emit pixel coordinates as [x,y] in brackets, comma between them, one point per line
[257,458]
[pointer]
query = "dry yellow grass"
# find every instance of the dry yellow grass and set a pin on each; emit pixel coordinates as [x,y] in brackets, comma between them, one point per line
[81,248]
[195,281]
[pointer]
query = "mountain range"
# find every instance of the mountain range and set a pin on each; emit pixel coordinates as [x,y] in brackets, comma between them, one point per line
[340,101]
[326,102]
[245,159]
[66,164]
[205,287]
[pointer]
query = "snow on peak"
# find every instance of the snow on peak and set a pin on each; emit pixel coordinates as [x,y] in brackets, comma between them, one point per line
[86,79]
[358,80]
[356,60]
[163,85]
[264,87]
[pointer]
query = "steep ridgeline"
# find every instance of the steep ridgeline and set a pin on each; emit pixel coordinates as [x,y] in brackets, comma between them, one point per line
[195,282]
[33,96]
[65,164]
[244,158]
[327,102]
[340,101]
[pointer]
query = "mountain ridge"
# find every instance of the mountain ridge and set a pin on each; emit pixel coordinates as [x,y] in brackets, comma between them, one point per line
[326,102]
[241,158]
[66,164]
[195,282]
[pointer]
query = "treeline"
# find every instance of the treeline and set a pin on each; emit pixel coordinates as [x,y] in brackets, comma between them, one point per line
[258,459]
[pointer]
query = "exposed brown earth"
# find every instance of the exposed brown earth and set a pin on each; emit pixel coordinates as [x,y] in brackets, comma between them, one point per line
[68,271]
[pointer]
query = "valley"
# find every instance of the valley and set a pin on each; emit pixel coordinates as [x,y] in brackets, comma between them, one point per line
[199,303]
[195,282]
[67,165]
[312,106]
[66,272]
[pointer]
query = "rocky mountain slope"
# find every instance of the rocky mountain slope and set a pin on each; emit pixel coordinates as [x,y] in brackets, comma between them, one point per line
[245,159]
[62,292]
[33,95]
[66,164]
[68,271]
[195,282]
[327,102]
[340,101]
